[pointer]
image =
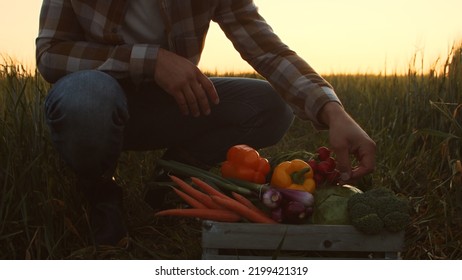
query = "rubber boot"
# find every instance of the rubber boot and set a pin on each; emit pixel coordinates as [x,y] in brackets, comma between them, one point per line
[106,211]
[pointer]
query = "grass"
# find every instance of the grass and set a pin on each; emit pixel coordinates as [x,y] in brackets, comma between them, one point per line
[415,119]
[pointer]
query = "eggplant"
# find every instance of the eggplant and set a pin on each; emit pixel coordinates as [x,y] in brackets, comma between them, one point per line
[305,198]
[288,206]
[277,215]
[309,211]
[294,212]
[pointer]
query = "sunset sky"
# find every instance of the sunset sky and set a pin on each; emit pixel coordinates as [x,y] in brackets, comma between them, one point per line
[334,36]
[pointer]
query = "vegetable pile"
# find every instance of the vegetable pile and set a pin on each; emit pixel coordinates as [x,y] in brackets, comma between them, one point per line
[214,205]
[292,190]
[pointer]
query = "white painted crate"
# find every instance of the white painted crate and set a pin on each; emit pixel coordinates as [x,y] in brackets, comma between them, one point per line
[282,241]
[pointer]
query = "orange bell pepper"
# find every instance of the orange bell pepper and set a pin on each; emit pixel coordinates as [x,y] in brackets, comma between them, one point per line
[245,163]
[296,174]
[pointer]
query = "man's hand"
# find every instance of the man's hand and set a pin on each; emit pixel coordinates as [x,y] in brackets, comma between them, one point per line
[192,90]
[347,138]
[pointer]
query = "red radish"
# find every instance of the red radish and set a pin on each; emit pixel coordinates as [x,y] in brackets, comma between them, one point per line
[333,177]
[325,167]
[313,164]
[323,153]
[318,178]
[332,162]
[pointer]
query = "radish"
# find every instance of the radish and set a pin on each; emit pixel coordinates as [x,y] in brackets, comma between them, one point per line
[323,153]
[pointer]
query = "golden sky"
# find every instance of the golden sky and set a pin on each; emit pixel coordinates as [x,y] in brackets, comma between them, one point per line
[334,36]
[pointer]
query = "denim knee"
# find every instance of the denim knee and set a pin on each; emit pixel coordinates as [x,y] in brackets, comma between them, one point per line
[276,117]
[86,112]
[250,112]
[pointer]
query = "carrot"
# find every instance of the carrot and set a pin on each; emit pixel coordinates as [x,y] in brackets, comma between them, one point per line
[206,187]
[189,199]
[196,194]
[244,200]
[218,215]
[242,210]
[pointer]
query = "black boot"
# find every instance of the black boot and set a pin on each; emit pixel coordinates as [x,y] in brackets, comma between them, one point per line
[106,216]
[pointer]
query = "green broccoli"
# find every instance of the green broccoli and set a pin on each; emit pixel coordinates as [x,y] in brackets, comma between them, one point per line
[378,209]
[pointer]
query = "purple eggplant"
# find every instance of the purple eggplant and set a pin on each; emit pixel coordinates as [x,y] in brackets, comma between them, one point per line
[309,211]
[305,198]
[294,212]
[288,206]
[276,214]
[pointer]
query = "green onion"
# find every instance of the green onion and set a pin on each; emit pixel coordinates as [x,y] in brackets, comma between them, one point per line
[189,170]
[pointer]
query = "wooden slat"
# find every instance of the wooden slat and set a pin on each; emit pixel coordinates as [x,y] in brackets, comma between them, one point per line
[334,238]
[217,256]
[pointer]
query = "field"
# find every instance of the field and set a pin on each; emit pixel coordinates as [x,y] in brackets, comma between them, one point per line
[415,119]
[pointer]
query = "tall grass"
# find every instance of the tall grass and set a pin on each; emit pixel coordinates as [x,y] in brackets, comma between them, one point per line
[415,119]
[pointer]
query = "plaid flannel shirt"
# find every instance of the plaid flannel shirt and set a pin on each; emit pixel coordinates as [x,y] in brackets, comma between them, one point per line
[85,34]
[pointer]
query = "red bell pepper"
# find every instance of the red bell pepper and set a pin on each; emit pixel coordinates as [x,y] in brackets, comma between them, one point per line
[245,163]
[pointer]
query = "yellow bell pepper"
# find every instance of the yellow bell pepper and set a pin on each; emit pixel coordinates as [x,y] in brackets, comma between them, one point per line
[296,174]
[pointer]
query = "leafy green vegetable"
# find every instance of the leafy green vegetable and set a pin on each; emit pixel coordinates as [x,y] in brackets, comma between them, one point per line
[331,204]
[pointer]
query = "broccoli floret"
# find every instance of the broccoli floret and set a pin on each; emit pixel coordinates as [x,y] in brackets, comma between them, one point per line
[388,204]
[376,209]
[396,221]
[369,223]
[359,206]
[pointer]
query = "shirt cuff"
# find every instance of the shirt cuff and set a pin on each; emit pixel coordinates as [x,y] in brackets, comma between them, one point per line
[142,62]
[315,102]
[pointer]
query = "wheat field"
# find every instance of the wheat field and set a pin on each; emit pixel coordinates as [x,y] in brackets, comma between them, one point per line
[415,119]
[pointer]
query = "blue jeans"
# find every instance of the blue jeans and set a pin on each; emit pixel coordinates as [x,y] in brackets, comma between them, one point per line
[93,118]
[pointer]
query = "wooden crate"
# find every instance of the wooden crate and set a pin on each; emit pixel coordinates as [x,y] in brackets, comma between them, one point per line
[262,241]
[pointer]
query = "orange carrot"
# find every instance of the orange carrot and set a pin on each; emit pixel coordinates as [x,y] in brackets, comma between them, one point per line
[206,187]
[189,199]
[218,215]
[242,210]
[244,200]
[196,194]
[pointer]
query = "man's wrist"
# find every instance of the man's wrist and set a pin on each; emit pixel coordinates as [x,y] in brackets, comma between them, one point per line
[329,112]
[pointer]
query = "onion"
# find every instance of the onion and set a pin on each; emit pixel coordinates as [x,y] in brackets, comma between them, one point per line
[272,198]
